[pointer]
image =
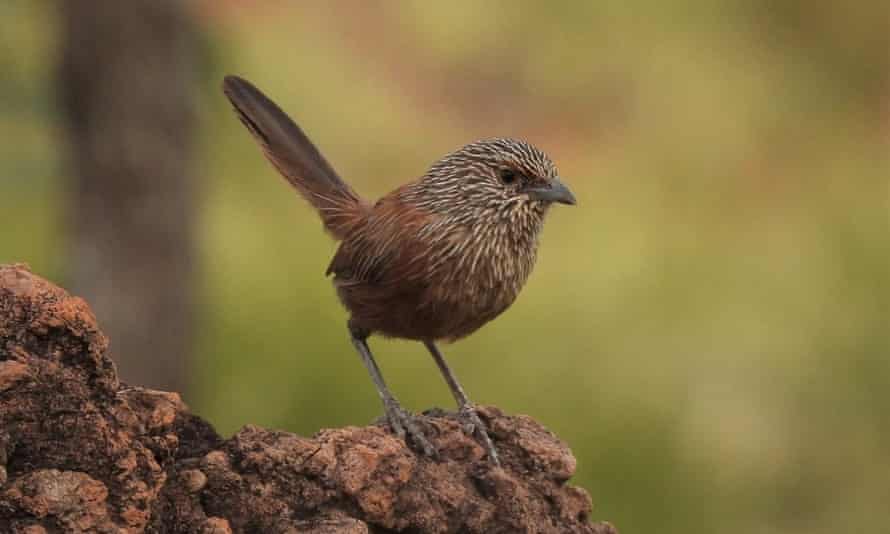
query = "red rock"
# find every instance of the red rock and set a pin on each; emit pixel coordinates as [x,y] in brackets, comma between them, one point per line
[82,454]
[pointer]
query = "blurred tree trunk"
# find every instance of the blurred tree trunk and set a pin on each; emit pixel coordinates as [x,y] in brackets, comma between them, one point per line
[125,85]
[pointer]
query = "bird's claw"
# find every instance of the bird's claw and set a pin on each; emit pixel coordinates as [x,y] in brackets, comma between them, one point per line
[474,426]
[404,424]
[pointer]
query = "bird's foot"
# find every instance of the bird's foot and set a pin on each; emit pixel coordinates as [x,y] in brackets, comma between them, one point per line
[404,424]
[474,426]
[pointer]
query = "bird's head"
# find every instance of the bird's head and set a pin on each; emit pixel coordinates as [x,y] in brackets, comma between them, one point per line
[496,176]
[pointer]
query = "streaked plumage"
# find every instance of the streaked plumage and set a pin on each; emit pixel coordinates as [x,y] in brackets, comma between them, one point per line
[435,259]
[440,257]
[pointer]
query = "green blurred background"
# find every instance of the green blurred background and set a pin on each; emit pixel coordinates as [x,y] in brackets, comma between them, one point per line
[709,329]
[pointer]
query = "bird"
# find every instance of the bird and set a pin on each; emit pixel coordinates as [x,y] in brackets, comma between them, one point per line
[432,261]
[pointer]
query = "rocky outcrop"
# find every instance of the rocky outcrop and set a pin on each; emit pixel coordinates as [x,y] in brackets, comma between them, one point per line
[82,452]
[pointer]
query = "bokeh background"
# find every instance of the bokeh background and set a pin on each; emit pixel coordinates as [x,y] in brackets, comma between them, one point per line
[709,328]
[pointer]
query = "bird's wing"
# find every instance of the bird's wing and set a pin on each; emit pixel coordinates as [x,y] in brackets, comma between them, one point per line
[389,247]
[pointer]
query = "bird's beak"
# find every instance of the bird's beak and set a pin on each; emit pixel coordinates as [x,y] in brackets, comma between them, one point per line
[555,191]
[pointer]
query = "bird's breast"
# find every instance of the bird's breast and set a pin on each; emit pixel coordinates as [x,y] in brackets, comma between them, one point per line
[477,273]
[432,277]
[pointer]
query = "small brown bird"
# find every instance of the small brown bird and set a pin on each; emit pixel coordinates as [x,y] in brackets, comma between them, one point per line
[435,259]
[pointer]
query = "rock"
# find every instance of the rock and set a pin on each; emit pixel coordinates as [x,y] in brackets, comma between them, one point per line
[81,453]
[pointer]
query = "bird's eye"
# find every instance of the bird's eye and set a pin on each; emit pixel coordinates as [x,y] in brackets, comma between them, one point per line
[508,176]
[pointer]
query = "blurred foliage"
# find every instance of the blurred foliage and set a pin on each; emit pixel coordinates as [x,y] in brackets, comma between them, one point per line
[708,328]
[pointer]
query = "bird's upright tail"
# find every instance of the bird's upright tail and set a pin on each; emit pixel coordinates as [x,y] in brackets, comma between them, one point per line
[295,157]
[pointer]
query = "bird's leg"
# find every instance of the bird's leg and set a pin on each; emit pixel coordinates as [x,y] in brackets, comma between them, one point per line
[400,420]
[467,410]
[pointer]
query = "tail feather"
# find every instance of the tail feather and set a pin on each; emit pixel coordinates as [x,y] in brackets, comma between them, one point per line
[296,158]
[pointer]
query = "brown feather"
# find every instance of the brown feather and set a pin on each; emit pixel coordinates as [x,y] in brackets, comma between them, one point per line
[436,258]
[296,158]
